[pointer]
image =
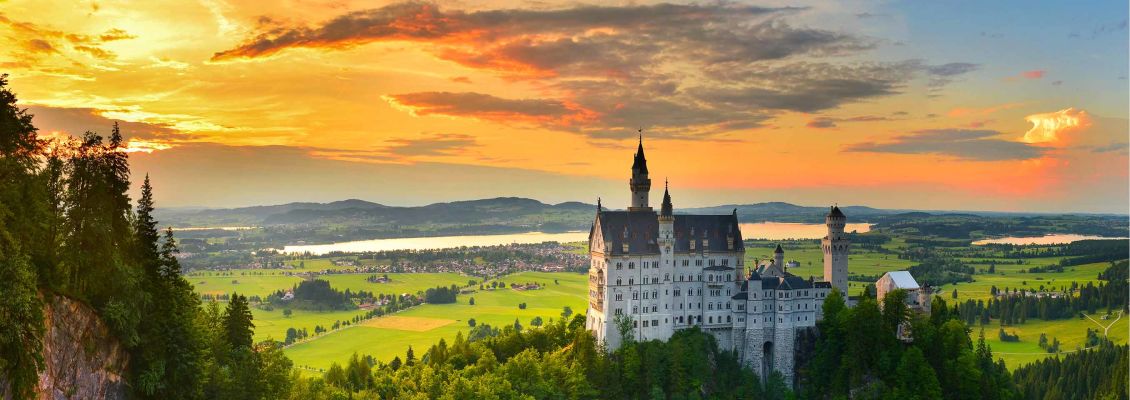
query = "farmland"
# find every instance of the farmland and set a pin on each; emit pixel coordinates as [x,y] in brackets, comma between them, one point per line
[424,325]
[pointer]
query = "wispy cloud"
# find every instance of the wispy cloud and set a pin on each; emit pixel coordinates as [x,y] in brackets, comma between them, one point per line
[977,145]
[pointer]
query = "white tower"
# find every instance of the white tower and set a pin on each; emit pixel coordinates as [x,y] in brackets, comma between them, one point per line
[779,257]
[835,247]
[640,184]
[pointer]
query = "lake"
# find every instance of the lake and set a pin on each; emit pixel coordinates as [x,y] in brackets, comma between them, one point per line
[1057,238]
[760,230]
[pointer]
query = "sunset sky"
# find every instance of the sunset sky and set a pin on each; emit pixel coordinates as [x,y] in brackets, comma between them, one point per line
[970,105]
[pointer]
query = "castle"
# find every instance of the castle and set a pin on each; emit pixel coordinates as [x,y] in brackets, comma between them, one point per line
[652,274]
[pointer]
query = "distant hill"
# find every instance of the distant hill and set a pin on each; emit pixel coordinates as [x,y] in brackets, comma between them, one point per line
[500,213]
[786,212]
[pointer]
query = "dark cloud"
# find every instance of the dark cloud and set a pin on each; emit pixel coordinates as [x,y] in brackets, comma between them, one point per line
[822,122]
[485,106]
[75,121]
[436,145]
[977,145]
[952,69]
[830,122]
[1112,148]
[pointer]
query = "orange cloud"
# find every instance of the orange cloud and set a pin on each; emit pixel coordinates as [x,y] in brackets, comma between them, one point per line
[145,146]
[981,112]
[1056,128]
[1034,74]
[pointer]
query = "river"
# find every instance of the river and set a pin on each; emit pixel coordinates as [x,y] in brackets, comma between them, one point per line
[760,230]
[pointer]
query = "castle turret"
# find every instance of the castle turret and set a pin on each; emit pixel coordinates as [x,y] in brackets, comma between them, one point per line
[779,257]
[835,247]
[640,184]
[666,223]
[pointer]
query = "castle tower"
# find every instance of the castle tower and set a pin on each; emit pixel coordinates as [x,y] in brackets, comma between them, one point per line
[779,257]
[835,247]
[666,224]
[640,184]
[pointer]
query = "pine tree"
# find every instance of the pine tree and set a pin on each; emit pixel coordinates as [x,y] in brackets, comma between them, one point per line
[238,327]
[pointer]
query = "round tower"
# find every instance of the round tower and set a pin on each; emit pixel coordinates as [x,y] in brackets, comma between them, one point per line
[640,184]
[836,246]
[779,257]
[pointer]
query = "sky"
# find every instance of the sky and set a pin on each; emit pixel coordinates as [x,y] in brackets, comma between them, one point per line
[955,105]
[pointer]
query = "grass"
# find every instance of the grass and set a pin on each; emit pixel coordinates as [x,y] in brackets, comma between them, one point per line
[1011,277]
[387,339]
[401,283]
[1071,333]
[248,285]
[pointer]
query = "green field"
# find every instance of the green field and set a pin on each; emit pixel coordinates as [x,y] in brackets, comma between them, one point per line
[494,307]
[272,324]
[1071,334]
[248,285]
[424,325]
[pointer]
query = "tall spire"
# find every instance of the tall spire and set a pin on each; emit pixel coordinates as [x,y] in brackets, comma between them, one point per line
[640,184]
[640,162]
[666,210]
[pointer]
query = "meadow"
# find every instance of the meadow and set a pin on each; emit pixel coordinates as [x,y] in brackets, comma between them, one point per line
[424,325]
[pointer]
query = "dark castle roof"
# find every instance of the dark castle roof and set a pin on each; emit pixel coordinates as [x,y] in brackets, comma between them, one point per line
[640,162]
[666,209]
[836,212]
[640,229]
[779,249]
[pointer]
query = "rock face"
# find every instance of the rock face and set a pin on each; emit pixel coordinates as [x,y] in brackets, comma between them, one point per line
[83,360]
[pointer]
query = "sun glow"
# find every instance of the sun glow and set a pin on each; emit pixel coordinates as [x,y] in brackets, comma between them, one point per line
[1051,127]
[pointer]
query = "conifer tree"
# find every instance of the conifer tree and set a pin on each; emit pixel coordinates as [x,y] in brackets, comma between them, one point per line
[237,322]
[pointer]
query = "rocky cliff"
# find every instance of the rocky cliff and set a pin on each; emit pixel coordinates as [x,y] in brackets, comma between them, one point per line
[83,360]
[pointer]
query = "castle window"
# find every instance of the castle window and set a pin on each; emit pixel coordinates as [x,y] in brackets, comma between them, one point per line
[645,323]
[711,262]
[631,281]
[729,276]
[655,294]
[654,308]
[655,279]
[619,296]
[635,309]
[619,311]
[677,292]
[654,322]
[711,320]
[728,318]
[619,265]
[727,306]
[635,296]
[645,295]
[686,263]
[619,282]
[631,265]
[710,278]
[710,306]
